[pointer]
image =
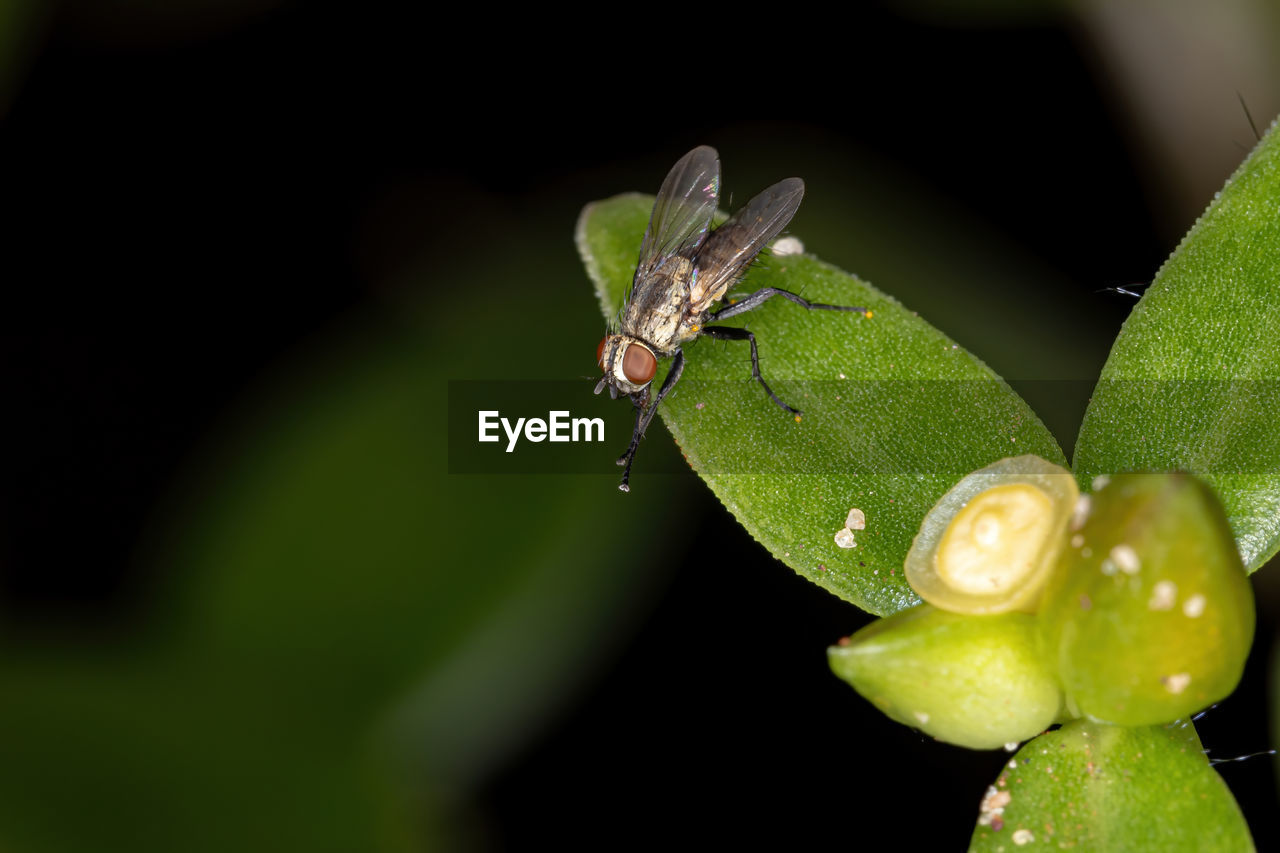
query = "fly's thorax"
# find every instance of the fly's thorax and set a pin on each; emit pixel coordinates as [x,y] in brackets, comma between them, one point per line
[628,363]
[659,305]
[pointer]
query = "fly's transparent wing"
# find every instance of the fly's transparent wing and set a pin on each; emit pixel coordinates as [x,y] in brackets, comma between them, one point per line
[725,255]
[682,212]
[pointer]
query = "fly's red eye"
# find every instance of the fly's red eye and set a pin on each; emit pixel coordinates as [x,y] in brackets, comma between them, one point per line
[638,365]
[600,351]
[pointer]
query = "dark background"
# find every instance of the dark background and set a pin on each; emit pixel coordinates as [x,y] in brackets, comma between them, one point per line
[202,202]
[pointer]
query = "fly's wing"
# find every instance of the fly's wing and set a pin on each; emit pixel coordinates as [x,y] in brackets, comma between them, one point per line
[730,249]
[681,213]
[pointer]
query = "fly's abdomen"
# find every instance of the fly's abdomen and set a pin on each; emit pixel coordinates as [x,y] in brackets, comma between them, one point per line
[659,305]
[722,255]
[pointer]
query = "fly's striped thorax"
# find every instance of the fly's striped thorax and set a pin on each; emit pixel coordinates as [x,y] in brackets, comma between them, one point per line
[659,309]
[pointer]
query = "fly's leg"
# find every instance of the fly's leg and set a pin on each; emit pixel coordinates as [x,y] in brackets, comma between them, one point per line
[638,400]
[756,299]
[730,333]
[643,416]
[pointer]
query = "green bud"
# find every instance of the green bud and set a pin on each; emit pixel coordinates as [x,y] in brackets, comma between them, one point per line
[975,681]
[1149,614]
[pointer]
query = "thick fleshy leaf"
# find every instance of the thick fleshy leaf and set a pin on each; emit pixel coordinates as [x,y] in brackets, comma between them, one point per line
[975,681]
[1091,786]
[894,414]
[1193,381]
[1149,616]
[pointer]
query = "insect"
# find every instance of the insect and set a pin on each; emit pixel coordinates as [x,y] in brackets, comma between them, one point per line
[685,267]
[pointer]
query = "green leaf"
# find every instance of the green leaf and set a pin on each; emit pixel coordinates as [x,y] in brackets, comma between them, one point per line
[975,681]
[894,414]
[1091,786]
[1191,383]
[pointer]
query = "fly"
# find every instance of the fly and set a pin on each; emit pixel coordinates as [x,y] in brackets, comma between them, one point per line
[685,267]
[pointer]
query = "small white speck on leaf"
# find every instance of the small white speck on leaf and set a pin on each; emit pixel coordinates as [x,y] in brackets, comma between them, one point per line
[995,800]
[1023,836]
[1126,559]
[844,538]
[1177,682]
[1080,513]
[856,520]
[788,246]
[1193,607]
[1163,596]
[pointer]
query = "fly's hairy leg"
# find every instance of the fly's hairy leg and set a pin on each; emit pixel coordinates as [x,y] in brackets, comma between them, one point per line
[758,298]
[729,333]
[643,416]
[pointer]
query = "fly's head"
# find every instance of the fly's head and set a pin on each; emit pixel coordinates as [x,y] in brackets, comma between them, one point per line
[628,365]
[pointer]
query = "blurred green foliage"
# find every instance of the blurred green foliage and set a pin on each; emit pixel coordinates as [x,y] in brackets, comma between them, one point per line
[346,637]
